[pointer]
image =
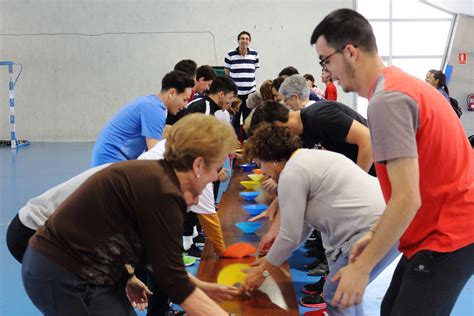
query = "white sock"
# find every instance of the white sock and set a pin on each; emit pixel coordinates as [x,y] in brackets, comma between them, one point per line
[187,242]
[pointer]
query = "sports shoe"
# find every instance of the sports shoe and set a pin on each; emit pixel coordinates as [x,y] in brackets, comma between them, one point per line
[194,251]
[313,264]
[199,240]
[314,252]
[172,311]
[313,301]
[321,270]
[308,244]
[314,288]
[188,261]
[313,235]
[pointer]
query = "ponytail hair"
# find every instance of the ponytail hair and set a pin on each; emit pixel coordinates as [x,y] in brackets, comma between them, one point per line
[438,75]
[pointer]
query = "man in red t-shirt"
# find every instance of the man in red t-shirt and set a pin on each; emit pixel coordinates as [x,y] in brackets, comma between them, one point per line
[425,166]
[330,93]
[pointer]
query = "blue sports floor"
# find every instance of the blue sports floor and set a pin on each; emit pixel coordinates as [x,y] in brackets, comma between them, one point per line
[29,171]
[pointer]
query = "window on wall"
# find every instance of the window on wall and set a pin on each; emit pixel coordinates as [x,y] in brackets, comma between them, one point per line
[410,35]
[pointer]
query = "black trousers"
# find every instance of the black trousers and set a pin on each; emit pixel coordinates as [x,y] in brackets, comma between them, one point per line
[244,111]
[429,283]
[18,236]
[190,220]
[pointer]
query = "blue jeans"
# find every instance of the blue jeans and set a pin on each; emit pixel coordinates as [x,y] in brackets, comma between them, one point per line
[55,291]
[330,287]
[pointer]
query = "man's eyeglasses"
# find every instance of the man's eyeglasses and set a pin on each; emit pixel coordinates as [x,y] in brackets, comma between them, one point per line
[323,61]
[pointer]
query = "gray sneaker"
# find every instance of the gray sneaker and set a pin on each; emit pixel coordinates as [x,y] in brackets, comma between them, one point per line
[320,270]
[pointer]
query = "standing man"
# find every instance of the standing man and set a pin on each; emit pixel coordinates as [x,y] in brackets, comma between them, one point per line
[139,125]
[425,166]
[241,64]
[330,93]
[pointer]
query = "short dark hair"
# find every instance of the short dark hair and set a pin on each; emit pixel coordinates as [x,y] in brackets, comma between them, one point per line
[309,77]
[345,26]
[223,83]
[269,112]
[288,71]
[206,72]
[187,66]
[178,80]
[276,83]
[271,143]
[244,33]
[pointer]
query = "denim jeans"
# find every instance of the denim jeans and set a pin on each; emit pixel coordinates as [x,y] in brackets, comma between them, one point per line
[330,287]
[55,291]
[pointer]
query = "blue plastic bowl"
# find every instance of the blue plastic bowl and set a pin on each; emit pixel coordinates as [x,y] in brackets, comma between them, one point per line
[249,195]
[248,167]
[255,209]
[249,227]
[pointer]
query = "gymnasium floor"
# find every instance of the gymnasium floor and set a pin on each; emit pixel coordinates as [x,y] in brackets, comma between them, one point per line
[31,170]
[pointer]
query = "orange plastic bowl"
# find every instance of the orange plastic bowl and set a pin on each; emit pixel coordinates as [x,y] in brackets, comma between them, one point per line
[257,171]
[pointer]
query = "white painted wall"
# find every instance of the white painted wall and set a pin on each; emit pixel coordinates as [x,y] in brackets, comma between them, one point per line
[72,82]
[462,78]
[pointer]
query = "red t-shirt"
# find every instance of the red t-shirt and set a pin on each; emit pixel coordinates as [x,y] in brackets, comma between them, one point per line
[409,118]
[331,92]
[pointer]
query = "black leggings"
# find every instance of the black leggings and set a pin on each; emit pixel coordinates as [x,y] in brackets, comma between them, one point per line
[429,283]
[17,238]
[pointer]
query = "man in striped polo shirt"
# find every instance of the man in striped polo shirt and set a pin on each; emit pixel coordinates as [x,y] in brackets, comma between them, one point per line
[241,64]
[425,167]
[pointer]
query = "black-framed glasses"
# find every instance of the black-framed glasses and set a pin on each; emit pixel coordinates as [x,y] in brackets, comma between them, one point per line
[323,61]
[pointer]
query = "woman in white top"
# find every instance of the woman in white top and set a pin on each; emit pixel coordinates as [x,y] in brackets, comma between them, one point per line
[316,189]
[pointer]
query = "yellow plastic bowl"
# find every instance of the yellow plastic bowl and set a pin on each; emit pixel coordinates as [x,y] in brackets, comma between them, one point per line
[232,274]
[256,177]
[250,185]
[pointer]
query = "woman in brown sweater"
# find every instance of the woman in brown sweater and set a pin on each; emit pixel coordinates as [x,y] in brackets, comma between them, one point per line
[131,212]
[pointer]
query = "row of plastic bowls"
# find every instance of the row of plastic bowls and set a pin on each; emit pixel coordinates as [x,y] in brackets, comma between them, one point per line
[252,209]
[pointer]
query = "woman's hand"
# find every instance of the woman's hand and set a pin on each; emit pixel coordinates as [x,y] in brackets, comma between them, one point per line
[266,242]
[137,293]
[253,280]
[260,216]
[217,292]
[270,212]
